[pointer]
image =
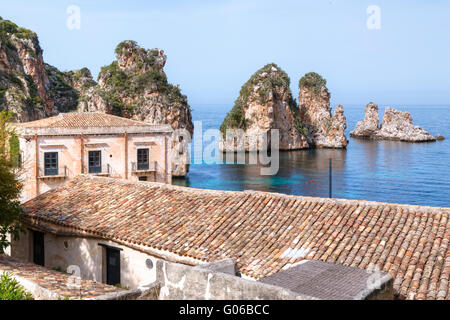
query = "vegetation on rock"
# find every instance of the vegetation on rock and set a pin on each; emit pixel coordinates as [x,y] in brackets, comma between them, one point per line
[314,82]
[9,28]
[130,84]
[18,90]
[61,90]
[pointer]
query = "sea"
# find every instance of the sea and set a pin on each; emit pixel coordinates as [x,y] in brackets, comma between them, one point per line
[384,171]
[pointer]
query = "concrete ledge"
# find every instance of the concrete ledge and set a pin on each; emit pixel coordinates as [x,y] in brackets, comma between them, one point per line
[227,266]
[38,292]
[160,129]
[150,292]
[180,282]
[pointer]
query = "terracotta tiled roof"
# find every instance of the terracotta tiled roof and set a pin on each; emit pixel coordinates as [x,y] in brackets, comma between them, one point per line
[264,231]
[55,281]
[81,120]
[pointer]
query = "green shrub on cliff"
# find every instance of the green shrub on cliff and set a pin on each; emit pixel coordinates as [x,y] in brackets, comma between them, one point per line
[146,57]
[315,82]
[8,28]
[60,89]
[134,82]
[234,119]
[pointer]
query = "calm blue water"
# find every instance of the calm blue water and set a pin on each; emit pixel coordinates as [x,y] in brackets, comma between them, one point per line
[386,171]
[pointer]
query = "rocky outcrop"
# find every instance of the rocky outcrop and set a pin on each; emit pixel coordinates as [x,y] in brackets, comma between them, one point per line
[30,88]
[369,127]
[61,91]
[23,79]
[324,129]
[135,86]
[396,125]
[265,102]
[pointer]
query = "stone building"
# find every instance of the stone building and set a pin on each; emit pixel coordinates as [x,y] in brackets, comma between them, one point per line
[118,231]
[55,149]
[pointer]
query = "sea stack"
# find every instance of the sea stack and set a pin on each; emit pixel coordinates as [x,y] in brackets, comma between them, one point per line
[369,127]
[396,125]
[324,130]
[265,102]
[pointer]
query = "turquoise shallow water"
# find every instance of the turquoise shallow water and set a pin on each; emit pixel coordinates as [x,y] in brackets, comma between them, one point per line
[384,171]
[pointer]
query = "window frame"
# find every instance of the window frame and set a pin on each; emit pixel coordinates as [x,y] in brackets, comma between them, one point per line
[51,164]
[95,168]
[143,165]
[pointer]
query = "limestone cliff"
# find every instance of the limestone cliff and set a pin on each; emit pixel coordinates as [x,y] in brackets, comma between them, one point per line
[30,88]
[324,130]
[135,86]
[23,79]
[265,102]
[396,125]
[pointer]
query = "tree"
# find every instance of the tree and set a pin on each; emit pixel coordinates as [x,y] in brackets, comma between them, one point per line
[10,186]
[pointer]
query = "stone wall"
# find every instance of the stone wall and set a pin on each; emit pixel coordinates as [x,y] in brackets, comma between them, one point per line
[179,281]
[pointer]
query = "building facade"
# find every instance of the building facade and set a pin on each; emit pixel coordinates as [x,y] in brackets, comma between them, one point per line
[56,149]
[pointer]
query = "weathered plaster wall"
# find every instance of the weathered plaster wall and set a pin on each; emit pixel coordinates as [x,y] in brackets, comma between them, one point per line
[21,248]
[213,281]
[86,253]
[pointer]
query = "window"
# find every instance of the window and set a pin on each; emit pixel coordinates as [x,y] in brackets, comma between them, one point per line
[50,163]
[142,159]
[95,161]
[143,178]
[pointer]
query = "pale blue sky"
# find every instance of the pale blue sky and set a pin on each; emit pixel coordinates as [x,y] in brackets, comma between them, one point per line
[213,47]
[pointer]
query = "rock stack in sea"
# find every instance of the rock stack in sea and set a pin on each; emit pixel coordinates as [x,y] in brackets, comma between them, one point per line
[265,102]
[396,125]
[324,129]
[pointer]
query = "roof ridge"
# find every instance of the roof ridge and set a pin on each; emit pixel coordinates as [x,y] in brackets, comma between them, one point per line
[87,119]
[264,193]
